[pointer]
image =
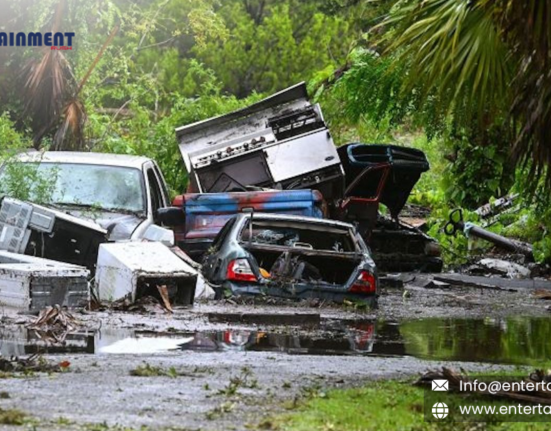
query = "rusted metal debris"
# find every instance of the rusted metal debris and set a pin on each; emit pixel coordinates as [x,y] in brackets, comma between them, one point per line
[457,224]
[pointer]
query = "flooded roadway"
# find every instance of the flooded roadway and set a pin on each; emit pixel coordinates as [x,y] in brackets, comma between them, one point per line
[469,328]
[520,340]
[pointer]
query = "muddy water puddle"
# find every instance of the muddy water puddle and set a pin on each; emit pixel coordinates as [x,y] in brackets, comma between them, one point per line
[510,341]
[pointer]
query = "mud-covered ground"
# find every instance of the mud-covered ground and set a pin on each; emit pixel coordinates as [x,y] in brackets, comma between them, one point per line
[231,388]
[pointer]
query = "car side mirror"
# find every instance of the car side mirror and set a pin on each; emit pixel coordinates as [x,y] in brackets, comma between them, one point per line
[171,216]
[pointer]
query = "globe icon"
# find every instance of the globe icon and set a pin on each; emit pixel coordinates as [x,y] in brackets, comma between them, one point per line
[440,410]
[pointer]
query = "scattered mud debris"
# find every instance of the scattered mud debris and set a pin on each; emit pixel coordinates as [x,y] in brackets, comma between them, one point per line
[32,364]
[55,319]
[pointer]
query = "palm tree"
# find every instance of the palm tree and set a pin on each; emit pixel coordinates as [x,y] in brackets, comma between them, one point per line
[484,58]
[52,94]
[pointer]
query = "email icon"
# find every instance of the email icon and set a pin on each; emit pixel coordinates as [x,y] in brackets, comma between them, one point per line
[440,385]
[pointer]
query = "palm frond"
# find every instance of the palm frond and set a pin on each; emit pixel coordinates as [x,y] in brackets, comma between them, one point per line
[527,29]
[70,134]
[49,82]
[454,49]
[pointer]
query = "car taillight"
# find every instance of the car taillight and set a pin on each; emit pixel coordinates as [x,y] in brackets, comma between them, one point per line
[365,283]
[240,270]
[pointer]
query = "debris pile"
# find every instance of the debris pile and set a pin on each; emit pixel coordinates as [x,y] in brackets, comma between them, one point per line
[55,318]
[457,224]
[32,364]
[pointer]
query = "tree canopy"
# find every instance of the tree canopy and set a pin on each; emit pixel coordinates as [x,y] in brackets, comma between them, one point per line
[470,75]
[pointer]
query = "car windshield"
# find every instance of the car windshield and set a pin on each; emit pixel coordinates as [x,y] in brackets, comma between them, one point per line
[110,188]
[298,235]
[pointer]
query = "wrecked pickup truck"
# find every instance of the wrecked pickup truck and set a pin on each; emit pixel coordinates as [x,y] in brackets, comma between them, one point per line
[120,193]
[291,257]
[196,218]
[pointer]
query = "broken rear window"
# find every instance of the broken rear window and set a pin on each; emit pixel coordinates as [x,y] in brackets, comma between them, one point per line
[110,188]
[296,234]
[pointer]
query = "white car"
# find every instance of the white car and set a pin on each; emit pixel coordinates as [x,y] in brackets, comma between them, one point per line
[120,193]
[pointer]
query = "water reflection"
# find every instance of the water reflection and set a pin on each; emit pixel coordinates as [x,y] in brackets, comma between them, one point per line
[512,341]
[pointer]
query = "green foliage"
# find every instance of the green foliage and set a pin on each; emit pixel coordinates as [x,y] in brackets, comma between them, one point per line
[24,181]
[482,66]
[148,370]
[455,46]
[272,45]
[389,405]
[380,405]
[11,140]
[16,179]
[479,168]
[144,134]
[368,104]
[12,417]
[455,249]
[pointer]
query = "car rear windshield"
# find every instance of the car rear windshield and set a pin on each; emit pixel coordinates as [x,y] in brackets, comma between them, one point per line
[298,235]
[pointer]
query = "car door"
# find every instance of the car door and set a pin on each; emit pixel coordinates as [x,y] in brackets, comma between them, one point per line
[155,193]
[163,189]
[213,258]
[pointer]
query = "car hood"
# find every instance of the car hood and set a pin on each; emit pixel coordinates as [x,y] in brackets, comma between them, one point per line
[120,226]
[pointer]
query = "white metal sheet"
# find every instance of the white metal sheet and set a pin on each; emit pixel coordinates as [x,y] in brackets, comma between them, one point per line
[302,155]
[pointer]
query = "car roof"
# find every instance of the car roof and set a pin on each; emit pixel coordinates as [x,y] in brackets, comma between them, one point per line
[295,218]
[83,158]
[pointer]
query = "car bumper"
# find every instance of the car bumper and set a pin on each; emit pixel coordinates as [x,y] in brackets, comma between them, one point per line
[296,291]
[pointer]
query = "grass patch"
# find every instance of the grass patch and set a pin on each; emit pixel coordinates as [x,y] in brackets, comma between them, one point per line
[385,405]
[244,380]
[104,426]
[12,417]
[148,370]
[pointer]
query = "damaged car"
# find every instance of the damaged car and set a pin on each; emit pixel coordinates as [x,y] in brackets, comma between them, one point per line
[100,212]
[120,193]
[291,257]
[86,199]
